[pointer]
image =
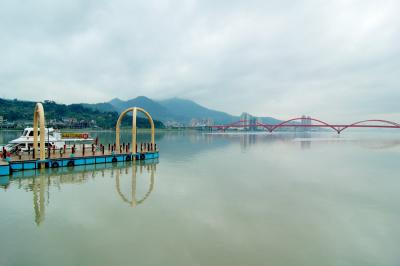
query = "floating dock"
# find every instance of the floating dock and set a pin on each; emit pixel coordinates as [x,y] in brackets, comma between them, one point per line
[8,168]
[14,163]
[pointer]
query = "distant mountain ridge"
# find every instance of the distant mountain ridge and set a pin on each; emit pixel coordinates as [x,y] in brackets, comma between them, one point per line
[172,110]
[63,115]
[156,110]
[187,110]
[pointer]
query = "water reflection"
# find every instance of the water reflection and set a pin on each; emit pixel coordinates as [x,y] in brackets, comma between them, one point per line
[40,183]
[38,199]
[305,140]
[247,141]
[150,168]
[305,143]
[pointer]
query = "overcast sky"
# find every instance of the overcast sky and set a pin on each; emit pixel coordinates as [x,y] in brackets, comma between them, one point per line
[337,60]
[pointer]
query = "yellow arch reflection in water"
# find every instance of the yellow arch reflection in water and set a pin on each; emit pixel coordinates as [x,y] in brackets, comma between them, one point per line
[38,199]
[134,202]
[39,183]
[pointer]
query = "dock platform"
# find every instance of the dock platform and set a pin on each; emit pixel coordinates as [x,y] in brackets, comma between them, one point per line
[51,157]
[21,164]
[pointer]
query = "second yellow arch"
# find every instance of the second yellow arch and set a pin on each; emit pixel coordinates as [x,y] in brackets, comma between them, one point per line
[134,111]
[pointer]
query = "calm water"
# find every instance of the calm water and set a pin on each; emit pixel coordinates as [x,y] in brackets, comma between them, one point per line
[226,199]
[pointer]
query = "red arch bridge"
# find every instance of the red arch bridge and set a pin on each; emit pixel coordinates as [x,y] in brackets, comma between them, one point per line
[308,122]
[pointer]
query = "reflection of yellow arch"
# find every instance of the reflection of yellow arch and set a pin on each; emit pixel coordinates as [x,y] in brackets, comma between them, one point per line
[134,111]
[38,203]
[134,201]
[39,111]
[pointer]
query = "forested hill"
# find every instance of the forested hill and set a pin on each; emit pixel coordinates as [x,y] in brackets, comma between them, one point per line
[66,115]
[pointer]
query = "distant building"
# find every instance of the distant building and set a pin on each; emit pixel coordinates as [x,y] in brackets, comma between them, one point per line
[306,120]
[194,122]
[201,122]
[250,121]
[245,118]
[173,124]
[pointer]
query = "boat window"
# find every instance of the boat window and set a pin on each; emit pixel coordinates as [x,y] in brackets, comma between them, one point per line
[25,132]
[31,133]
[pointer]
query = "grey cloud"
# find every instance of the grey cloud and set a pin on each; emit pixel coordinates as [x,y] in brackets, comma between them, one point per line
[328,59]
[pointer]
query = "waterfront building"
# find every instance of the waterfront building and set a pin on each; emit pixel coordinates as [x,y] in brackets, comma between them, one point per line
[250,121]
[202,122]
[306,120]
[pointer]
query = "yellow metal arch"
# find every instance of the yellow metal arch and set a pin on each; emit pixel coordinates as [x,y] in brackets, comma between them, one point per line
[134,111]
[39,115]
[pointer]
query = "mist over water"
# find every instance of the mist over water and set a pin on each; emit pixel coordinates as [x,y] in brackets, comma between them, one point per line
[213,199]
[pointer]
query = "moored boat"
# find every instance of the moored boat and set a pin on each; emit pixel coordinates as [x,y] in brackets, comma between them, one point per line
[53,139]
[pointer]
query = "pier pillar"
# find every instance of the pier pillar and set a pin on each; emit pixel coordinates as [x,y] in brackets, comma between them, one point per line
[134,132]
[38,116]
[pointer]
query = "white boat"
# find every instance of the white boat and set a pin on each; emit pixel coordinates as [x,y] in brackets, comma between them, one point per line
[53,138]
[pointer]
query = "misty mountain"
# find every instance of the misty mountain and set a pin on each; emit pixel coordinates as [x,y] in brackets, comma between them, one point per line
[173,109]
[270,120]
[103,107]
[186,110]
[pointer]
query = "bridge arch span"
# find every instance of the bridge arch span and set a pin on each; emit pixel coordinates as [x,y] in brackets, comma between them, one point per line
[338,128]
[285,123]
[370,120]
